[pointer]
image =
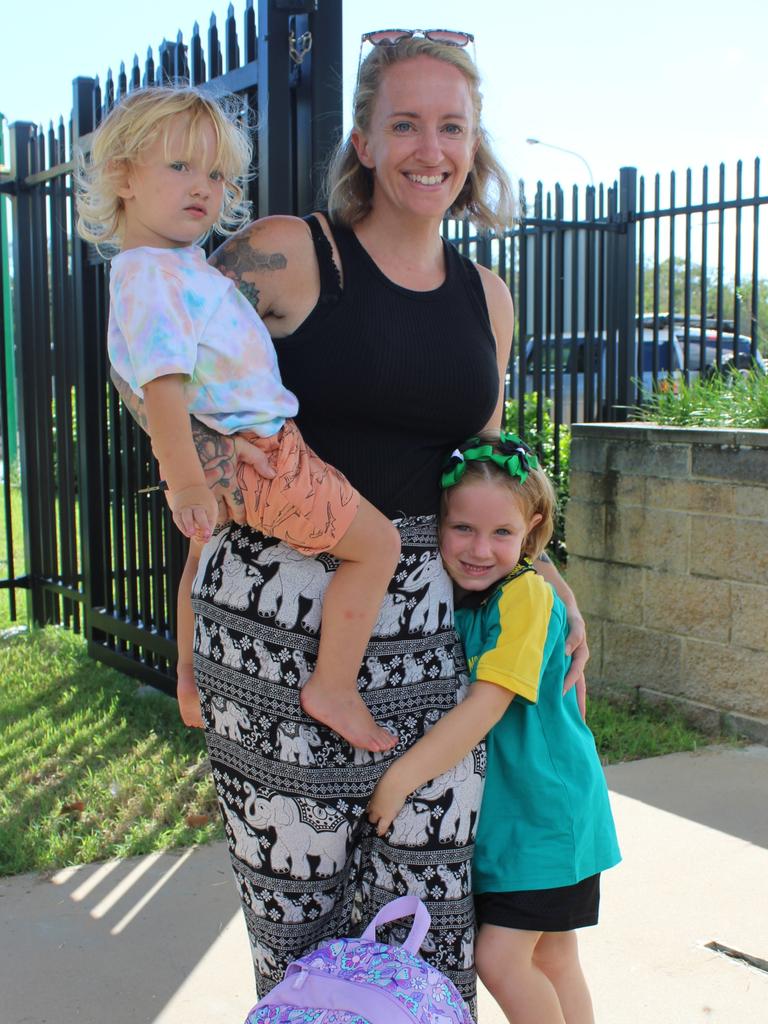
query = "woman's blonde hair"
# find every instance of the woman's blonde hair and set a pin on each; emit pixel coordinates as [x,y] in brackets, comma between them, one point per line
[486,198]
[535,494]
[130,128]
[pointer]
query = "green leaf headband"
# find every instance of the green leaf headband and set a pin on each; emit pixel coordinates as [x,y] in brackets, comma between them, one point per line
[510,452]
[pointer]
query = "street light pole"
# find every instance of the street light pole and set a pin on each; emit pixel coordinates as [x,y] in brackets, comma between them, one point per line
[570,152]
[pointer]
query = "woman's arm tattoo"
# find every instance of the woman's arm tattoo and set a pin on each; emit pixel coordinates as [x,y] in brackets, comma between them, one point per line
[131,401]
[238,257]
[217,457]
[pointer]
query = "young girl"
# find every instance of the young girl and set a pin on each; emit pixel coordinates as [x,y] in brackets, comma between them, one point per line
[166,167]
[545,830]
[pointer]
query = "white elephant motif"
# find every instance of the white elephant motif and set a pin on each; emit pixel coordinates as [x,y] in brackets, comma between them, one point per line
[413,670]
[231,655]
[292,912]
[391,615]
[237,581]
[466,788]
[297,839]
[247,845]
[300,661]
[229,718]
[411,827]
[203,645]
[447,662]
[295,742]
[263,960]
[383,874]
[468,948]
[325,903]
[256,902]
[378,672]
[453,882]
[414,886]
[362,756]
[426,613]
[270,668]
[426,617]
[297,576]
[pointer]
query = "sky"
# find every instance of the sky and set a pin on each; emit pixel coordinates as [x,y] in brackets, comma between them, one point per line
[662,86]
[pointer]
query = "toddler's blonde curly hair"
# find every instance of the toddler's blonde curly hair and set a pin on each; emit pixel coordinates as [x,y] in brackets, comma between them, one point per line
[130,128]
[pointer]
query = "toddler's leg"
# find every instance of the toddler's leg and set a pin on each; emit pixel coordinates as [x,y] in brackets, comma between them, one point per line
[369,552]
[557,955]
[505,965]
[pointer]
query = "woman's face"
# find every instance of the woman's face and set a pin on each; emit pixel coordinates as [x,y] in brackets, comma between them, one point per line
[422,140]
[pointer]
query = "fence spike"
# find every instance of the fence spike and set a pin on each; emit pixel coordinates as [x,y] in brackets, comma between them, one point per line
[249,33]
[233,50]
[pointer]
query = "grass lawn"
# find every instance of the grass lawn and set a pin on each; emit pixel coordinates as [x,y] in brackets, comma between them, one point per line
[93,766]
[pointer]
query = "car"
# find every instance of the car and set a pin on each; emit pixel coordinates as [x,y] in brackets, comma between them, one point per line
[735,351]
[662,359]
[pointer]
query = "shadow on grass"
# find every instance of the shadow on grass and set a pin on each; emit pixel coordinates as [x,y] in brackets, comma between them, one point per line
[94,766]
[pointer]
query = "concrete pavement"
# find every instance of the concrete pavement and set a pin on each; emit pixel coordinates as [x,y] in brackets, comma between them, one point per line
[160,940]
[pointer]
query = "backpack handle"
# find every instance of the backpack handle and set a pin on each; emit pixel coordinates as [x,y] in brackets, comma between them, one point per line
[403,906]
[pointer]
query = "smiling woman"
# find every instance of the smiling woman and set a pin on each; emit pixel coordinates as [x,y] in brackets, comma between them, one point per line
[395,346]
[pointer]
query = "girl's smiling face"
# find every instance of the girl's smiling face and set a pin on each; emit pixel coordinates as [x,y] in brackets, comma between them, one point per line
[482,533]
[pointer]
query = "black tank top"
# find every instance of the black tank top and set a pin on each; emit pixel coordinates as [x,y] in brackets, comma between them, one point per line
[390,380]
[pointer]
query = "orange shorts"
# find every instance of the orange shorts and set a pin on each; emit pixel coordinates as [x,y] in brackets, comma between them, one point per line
[308,504]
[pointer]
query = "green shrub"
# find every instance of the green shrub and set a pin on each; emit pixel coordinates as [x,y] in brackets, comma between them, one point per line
[738,400]
[547,442]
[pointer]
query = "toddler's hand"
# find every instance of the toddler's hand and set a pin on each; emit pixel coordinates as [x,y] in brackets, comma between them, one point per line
[195,512]
[385,804]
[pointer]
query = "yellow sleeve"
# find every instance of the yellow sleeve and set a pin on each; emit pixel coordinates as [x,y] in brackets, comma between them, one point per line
[517,633]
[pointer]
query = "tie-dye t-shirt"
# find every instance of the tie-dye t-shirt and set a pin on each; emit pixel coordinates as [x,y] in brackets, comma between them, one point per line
[170,312]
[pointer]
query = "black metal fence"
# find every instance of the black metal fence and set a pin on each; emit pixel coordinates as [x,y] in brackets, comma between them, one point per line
[615,288]
[101,559]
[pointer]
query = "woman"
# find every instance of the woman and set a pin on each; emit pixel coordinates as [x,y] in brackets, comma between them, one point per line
[395,346]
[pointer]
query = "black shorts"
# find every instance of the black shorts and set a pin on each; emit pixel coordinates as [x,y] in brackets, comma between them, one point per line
[542,910]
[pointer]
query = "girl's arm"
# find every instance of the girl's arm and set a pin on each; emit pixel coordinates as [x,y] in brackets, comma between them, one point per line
[576,644]
[192,503]
[446,743]
[186,689]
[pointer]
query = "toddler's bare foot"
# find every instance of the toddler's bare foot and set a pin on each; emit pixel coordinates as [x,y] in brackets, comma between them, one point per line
[344,710]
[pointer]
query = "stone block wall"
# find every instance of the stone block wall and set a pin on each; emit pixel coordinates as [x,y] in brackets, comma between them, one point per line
[667,533]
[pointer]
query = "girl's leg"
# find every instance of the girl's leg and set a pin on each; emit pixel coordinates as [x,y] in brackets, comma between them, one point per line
[557,955]
[506,966]
[369,553]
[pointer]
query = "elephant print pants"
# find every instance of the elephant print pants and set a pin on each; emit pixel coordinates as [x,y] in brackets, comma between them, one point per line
[293,794]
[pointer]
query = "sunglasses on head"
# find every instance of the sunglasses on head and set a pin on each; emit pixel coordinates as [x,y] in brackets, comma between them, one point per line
[391,36]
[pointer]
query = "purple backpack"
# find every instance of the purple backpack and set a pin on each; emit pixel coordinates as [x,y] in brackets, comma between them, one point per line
[362,981]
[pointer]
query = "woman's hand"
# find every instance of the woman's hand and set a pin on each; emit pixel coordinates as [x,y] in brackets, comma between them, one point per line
[219,456]
[576,647]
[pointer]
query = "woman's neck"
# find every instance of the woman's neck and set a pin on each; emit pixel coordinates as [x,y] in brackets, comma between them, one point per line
[409,251]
